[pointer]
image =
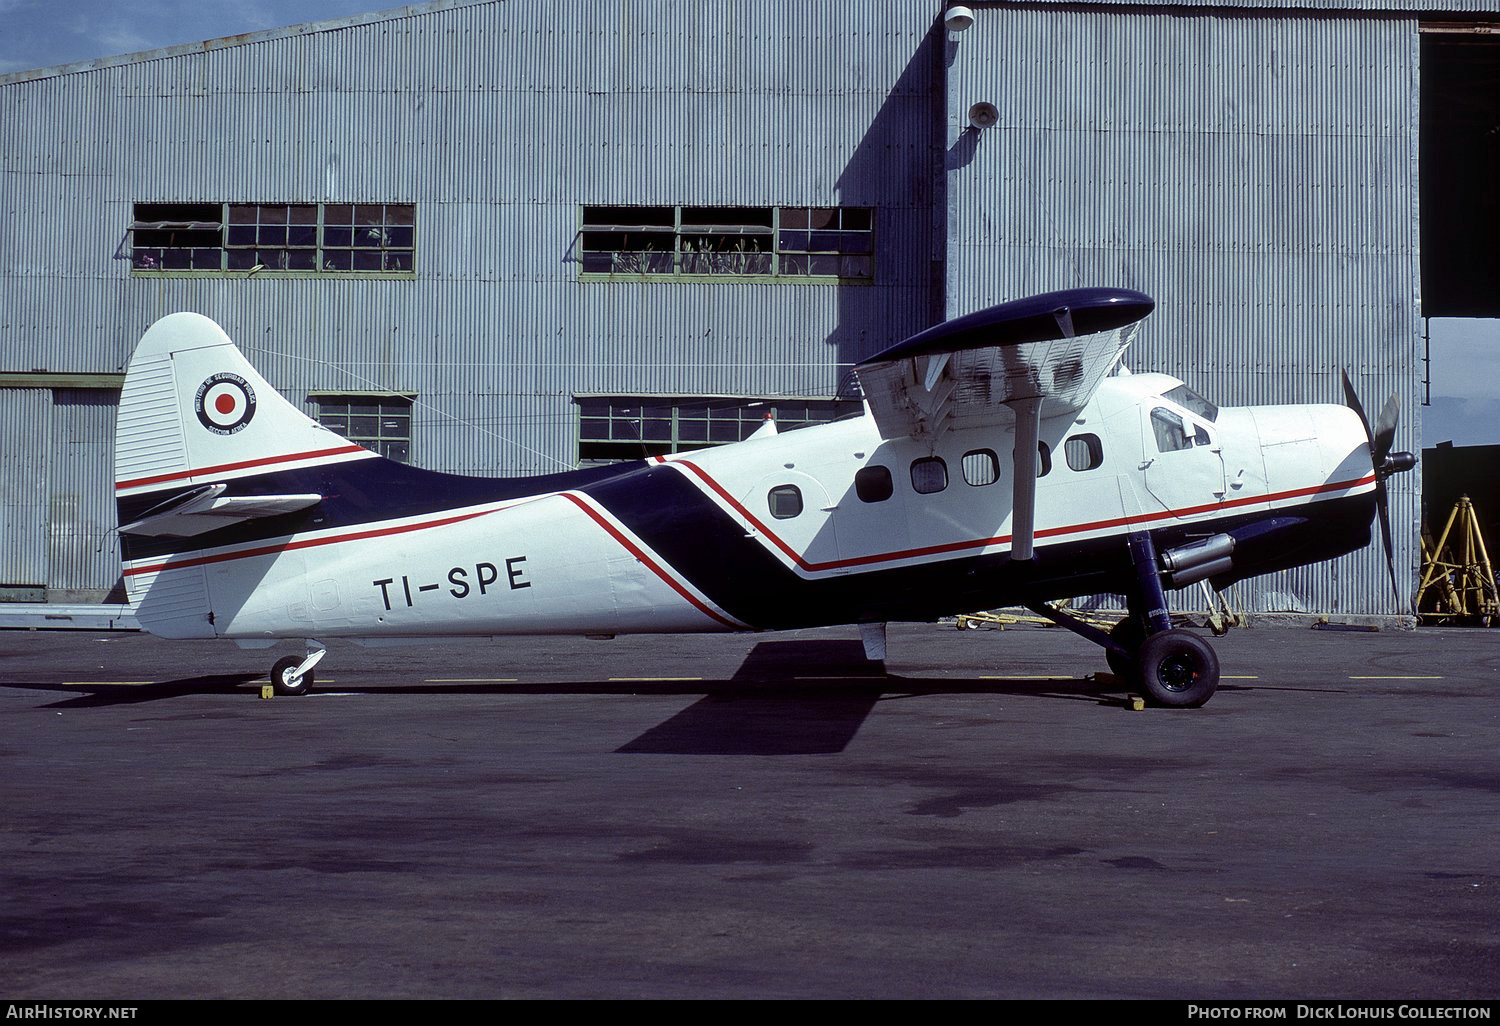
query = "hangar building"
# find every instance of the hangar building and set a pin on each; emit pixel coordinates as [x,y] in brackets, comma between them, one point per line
[499,238]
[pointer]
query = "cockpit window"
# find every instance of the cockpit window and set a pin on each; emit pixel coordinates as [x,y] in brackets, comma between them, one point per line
[1170,434]
[1193,402]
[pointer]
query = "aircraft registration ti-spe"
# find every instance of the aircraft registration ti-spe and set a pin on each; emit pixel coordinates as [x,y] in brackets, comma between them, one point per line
[1002,458]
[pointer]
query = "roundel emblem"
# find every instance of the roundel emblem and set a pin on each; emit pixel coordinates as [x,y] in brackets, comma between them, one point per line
[225,403]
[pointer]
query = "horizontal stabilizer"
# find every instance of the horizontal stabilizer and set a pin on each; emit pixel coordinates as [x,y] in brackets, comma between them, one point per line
[207,509]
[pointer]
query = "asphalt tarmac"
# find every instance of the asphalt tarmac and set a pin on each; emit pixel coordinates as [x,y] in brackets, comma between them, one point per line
[750,816]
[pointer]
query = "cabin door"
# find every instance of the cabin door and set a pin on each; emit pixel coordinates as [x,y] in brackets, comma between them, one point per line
[795,517]
[1183,463]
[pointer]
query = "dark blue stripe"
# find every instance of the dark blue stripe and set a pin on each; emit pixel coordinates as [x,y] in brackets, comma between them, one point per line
[710,549]
[355,493]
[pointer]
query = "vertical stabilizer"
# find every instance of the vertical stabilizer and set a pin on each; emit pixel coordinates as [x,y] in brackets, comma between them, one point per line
[193,412]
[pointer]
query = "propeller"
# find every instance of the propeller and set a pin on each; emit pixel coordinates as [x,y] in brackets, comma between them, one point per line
[1385,463]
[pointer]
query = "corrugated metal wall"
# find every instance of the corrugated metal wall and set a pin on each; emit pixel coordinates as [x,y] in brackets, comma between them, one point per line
[82,548]
[23,505]
[56,499]
[1352,6]
[1255,173]
[498,120]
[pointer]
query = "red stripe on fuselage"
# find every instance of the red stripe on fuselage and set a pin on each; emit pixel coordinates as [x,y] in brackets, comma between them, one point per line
[979,543]
[242,465]
[639,553]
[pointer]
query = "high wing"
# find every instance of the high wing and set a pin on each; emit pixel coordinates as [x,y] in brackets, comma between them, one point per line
[207,509]
[1017,362]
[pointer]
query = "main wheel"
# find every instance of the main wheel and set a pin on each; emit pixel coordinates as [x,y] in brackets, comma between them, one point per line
[1177,668]
[1129,634]
[283,680]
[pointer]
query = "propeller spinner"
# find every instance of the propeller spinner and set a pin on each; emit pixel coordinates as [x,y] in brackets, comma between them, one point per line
[1385,463]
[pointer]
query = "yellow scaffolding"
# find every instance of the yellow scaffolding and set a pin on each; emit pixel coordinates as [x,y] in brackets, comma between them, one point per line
[999,621]
[1458,582]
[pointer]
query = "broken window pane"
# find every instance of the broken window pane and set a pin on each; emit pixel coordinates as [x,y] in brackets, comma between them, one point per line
[727,240]
[177,236]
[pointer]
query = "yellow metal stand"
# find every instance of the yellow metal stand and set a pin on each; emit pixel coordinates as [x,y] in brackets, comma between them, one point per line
[1458,582]
[999,621]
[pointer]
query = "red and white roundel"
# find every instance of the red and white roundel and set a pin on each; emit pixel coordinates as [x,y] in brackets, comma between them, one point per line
[225,403]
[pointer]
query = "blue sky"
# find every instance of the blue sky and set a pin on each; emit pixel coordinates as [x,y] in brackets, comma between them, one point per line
[1465,383]
[40,33]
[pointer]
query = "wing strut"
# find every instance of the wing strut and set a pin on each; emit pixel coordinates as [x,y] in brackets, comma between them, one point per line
[1023,503]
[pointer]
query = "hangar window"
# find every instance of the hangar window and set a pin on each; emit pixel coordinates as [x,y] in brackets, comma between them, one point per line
[827,241]
[629,240]
[368,236]
[727,240]
[623,427]
[274,237]
[761,243]
[381,423]
[177,237]
[873,484]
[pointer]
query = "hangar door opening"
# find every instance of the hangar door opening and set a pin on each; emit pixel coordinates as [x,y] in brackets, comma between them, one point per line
[1460,166]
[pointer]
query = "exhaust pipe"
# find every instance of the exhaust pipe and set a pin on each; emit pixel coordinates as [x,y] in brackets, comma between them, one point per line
[1197,561]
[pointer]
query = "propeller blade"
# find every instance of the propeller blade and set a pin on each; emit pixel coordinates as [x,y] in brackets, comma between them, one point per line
[1385,430]
[1381,439]
[1383,514]
[1351,400]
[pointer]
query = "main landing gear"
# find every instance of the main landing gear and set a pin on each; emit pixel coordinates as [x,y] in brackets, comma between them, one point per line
[1174,667]
[293,675]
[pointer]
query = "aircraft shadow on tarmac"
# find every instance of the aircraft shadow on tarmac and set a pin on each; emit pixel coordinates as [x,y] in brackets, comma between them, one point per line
[786,698]
[807,698]
[103,694]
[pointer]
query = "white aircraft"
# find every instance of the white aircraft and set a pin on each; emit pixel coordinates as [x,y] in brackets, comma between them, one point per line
[1003,458]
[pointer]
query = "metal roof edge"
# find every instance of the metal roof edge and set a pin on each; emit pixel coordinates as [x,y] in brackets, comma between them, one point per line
[1422,9]
[225,42]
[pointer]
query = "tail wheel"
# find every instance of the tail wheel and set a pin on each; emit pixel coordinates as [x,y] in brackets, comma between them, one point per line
[284,679]
[1177,668]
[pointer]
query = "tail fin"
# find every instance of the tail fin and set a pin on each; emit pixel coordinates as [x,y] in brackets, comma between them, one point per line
[194,413]
[194,410]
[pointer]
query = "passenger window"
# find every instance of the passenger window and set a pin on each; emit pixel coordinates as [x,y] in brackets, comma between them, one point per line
[981,467]
[1170,434]
[873,484]
[785,502]
[1200,435]
[1043,459]
[929,474]
[1083,452]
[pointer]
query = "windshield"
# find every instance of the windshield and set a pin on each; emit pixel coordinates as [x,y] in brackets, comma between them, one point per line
[1193,402]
